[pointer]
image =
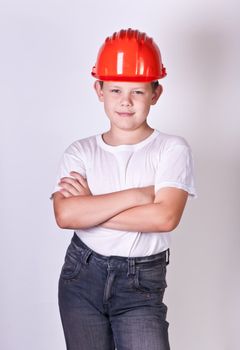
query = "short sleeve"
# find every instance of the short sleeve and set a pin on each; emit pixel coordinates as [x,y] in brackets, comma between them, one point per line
[71,160]
[175,169]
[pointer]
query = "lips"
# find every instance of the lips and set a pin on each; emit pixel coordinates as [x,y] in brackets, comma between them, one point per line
[125,114]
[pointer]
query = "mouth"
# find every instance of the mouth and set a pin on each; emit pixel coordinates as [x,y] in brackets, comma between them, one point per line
[125,114]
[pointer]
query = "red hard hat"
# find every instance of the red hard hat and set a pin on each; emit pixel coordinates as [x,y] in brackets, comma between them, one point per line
[129,55]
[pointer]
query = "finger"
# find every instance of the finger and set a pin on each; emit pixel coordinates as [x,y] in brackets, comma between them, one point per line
[80,178]
[73,182]
[69,188]
[65,193]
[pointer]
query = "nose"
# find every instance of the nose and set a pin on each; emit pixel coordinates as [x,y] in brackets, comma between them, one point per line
[126,100]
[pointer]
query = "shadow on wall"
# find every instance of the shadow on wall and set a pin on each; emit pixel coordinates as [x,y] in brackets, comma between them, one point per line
[208,52]
[207,61]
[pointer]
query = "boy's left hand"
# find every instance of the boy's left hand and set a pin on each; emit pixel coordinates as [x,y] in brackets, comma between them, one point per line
[76,185]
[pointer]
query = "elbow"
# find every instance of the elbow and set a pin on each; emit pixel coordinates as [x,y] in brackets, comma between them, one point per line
[62,220]
[65,220]
[168,217]
[170,225]
[167,224]
[62,212]
[63,217]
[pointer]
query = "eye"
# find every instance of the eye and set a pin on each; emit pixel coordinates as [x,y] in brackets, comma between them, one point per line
[115,91]
[138,92]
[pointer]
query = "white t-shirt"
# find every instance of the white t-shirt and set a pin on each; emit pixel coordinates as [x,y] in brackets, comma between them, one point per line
[161,160]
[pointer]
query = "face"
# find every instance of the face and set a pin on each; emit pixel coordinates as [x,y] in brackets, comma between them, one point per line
[127,104]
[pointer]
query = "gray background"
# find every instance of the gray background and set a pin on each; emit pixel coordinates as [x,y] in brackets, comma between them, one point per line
[47,51]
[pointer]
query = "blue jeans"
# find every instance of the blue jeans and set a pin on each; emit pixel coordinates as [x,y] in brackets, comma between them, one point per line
[113,302]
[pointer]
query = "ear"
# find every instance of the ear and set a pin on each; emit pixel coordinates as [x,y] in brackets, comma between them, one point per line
[156,94]
[99,91]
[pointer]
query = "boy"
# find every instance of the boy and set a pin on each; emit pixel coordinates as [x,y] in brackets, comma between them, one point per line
[122,192]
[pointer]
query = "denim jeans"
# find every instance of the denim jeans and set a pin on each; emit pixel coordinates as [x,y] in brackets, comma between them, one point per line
[113,302]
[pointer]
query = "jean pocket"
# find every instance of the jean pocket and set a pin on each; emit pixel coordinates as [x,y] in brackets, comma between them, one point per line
[72,263]
[151,280]
[71,268]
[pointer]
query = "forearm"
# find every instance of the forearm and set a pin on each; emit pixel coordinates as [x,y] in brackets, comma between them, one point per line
[147,218]
[163,215]
[88,211]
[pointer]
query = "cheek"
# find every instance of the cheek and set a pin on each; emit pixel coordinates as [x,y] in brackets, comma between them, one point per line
[146,111]
[107,104]
[106,109]
[144,107]
[109,108]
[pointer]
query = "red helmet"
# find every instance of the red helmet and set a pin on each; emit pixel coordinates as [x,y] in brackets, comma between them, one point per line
[129,55]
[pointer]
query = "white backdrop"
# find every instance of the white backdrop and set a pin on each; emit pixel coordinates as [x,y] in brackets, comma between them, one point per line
[48,48]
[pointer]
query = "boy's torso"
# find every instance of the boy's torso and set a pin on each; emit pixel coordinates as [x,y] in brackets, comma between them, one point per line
[114,168]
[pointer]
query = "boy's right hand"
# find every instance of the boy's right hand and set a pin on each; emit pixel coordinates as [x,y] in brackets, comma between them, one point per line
[76,185]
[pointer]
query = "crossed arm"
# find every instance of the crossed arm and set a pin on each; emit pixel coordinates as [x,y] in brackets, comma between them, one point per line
[135,209]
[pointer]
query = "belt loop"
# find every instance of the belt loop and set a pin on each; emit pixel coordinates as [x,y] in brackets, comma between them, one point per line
[86,255]
[131,266]
[167,256]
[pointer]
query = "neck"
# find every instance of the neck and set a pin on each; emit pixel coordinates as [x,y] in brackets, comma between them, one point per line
[116,137]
